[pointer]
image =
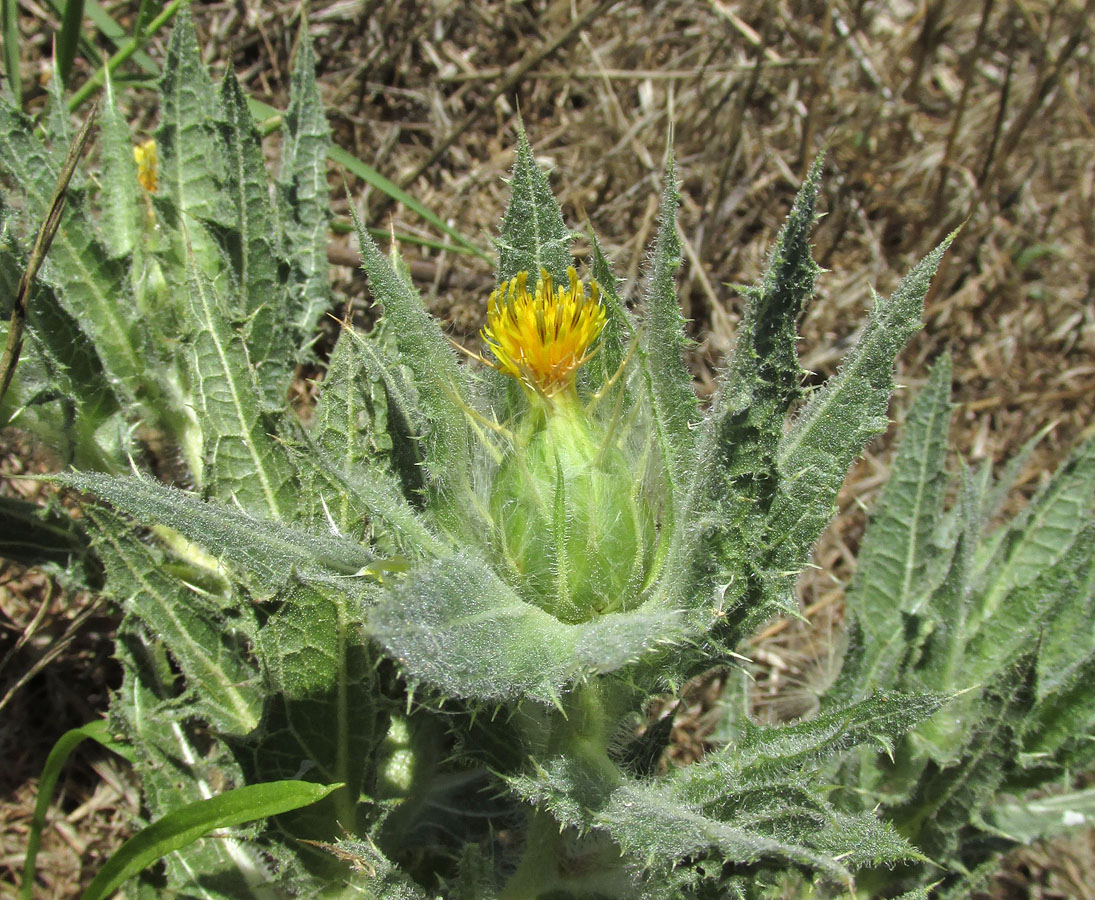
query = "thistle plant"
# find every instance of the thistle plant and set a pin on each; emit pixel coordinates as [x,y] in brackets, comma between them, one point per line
[109,366]
[415,638]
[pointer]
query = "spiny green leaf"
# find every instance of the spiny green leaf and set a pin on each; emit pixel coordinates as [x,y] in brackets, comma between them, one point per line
[763,378]
[1064,715]
[244,464]
[1068,638]
[121,210]
[83,424]
[668,382]
[1005,483]
[351,421]
[57,122]
[939,656]
[946,798]
[1058,736]
[302,193]
[270,553]
[457,626]
[1034,609]
[1043,533]
[657,827]
[762,753]
[619,330]
[653,827]
[861,840]
[374,497]
[191,160]
[533,235]
[224,687]
[91,286]
[815,455]
[735,475]
[322,705]
[898,547]
[442,385]
[260,297]
[569,788]
[351,431]
[388,382]
[380,878]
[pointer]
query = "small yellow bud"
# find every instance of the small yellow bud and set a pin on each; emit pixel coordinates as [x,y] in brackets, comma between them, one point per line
[145,155]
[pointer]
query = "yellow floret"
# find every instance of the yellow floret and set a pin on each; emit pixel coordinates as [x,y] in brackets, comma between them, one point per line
[543,338]
[145,155]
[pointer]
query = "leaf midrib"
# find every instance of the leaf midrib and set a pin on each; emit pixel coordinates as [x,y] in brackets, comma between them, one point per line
[230,380]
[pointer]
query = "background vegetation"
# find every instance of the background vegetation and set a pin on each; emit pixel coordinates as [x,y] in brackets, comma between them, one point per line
[934,113]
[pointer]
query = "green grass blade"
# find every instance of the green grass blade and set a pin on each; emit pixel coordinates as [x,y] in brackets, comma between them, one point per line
[11,48]
[384,234]
[68,38]
[369,175]
[268,115]
[130,48]
[113,32]
[83,43]
[95,731]
[182,827]
[118,36]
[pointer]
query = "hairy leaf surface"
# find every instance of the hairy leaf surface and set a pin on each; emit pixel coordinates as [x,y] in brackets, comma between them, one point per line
[533,236]
[303,206]
[898,545]
[455,625]
[270,553]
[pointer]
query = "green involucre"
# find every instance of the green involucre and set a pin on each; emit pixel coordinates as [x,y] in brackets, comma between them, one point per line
[573,528]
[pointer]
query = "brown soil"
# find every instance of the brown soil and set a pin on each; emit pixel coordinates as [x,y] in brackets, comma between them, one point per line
[934,115]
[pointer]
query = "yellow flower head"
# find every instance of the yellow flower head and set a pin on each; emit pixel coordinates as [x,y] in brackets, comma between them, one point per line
[145,155]
[542,338]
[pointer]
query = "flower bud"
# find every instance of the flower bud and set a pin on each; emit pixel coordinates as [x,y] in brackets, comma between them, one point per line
[571,524]
[572,527]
